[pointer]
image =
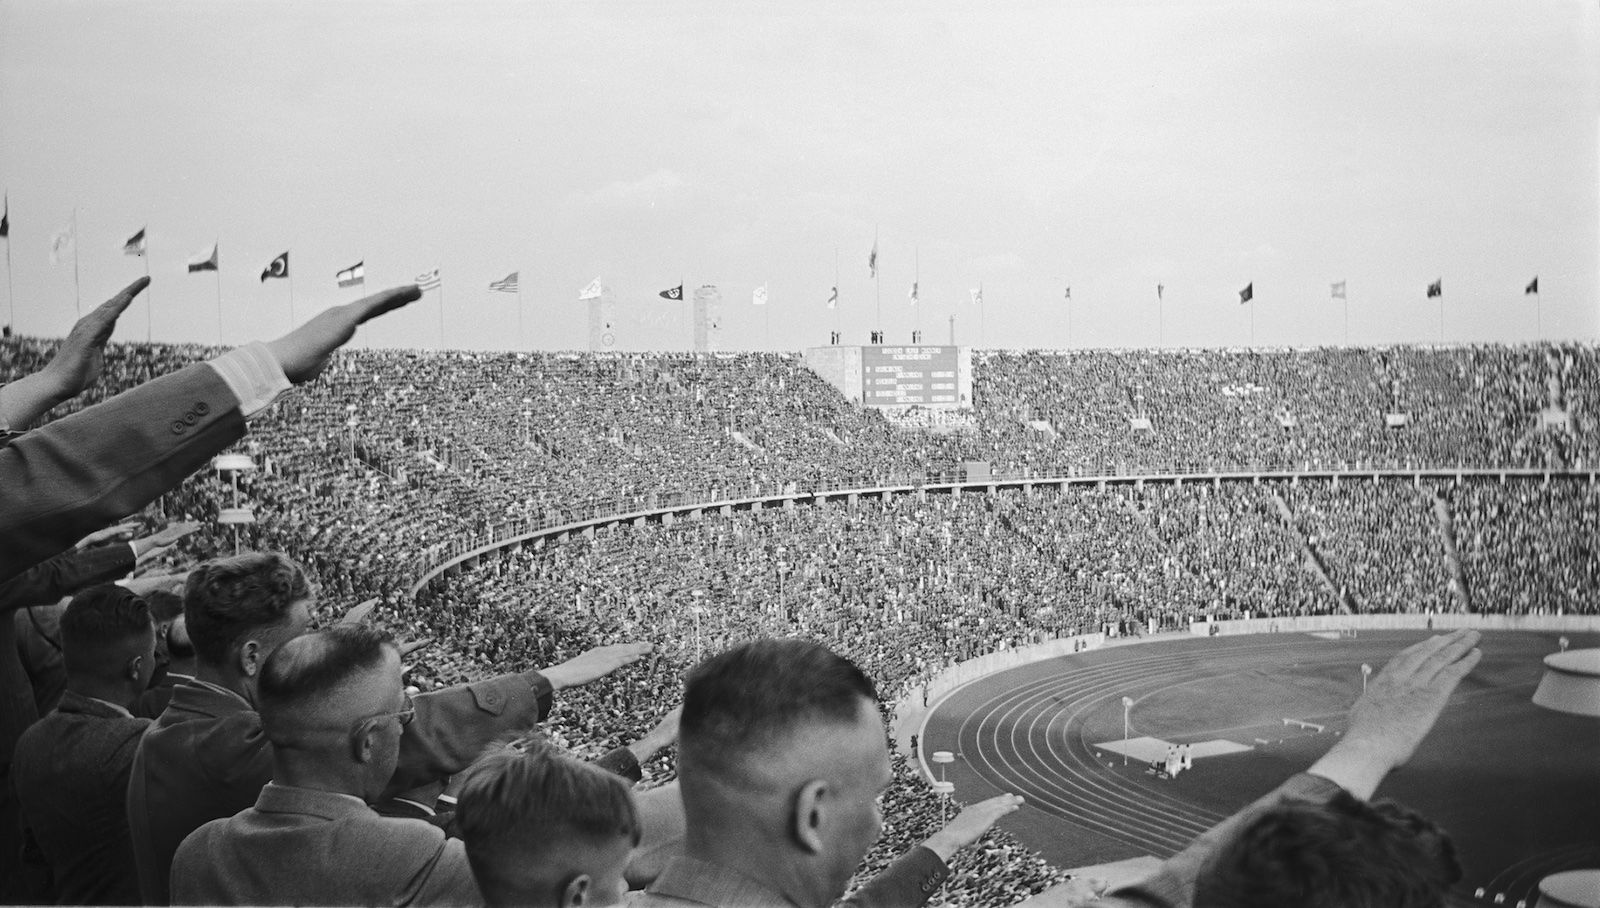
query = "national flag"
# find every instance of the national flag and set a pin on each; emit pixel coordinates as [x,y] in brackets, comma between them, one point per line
[1436,288]
[759,298]
[872,259]
[1247,293]
[205,261]
[977,296]
[1069,291]
[1532,288]
[354,276]
[1338,291]
[833,298]
[61,243]
[591,292]
[913,293]
[428,280]
[672,293]
[135,244]
[508,284]
[5,218]
[1160,289]
[278,267]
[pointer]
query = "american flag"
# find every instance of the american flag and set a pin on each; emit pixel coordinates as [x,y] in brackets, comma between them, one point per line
[506,285]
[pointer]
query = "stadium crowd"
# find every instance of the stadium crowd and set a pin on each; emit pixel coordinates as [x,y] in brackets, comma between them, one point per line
[391,461]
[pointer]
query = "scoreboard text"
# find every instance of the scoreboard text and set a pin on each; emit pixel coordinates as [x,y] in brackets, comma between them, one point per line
[908,376]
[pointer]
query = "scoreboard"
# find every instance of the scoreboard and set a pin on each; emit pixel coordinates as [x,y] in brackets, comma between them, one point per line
[910,376]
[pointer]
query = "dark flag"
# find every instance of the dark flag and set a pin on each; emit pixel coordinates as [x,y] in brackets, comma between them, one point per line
[278,267]
[1160,289]
[5,219]
[1436,288]
[1247,293]
[672,293]
[1532,288]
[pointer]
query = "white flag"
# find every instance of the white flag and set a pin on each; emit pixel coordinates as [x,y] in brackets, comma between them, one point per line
[591,292]
[428,280]
[61,243]
[833,298]
[977,296]
[759,298]
[913,293]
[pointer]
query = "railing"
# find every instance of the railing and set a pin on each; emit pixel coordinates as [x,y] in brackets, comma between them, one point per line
[605,509]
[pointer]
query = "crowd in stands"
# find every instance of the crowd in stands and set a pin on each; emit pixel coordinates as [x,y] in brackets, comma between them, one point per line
[392,461]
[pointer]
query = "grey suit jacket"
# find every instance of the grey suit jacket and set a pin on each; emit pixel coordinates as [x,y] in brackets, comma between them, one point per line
[297,846]
[72,779]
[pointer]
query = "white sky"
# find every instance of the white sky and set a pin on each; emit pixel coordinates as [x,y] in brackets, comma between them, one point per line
[1110,146]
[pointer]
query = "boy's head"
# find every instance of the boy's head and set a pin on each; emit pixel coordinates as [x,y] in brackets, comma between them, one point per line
[544,829]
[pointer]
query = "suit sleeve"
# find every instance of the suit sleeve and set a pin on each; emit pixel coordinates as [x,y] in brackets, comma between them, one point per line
[64,575]
[1173,882]
[910,881]
[77,474]
[454,725]
[621,762]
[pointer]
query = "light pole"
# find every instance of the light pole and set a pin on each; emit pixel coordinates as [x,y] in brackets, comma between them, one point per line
[696,609]
[1127,704]
[1366,672]
[941,787]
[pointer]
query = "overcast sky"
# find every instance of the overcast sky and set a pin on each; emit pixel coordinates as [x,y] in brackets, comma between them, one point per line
[1109,146]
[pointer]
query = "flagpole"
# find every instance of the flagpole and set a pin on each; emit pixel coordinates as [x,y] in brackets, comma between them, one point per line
[218,272]
[838,319]
[149,299]
[1346,299]
[77,294]
[441,314]
[1252,304]
[1441,316]
[11,295]
[916,281]
[877,278]
[1161,319]
[290,276]
[1538,298]
[766,314]
[982,337]
[521,341]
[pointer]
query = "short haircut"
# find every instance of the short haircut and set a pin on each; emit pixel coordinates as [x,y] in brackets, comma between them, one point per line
[100,626]
[1342,854]
[755,694]
[310,667]
[226,599]
[515,808]
[164,605]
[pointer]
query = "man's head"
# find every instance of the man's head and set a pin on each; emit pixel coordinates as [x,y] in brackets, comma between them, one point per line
[238,610]
[782,758]
[108,643]
[1342,854]
[544,829]
[332,705]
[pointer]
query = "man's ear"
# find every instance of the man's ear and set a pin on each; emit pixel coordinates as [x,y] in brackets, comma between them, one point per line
[250,658]
[361,743]
[576,893]
[810,803]
[135,668]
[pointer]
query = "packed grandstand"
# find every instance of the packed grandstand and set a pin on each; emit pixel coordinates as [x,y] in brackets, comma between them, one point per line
[1267,483]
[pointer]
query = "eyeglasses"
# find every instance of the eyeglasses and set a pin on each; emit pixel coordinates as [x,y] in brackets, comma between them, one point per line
[405,714]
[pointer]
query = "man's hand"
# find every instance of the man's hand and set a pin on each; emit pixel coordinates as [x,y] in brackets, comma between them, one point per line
[304,352]
[122,532]
[1397,711]
[596,663]
[171,583]
[358,612]
[970,825]
[169,534]
[82,356]
[76,365]
[664,733]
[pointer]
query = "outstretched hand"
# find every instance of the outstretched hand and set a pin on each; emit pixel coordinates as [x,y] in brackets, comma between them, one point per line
[303,353]
[595,664]
[82,356]
[1398,709]
[970,824]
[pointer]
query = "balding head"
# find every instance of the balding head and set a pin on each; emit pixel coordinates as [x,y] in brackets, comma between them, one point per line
[782,755]
[332,701]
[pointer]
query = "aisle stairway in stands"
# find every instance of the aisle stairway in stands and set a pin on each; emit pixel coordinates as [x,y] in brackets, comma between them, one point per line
[1314,562]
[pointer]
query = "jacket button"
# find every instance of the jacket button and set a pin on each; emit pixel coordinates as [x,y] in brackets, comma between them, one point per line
[178,428]
[201,407]
[190,419]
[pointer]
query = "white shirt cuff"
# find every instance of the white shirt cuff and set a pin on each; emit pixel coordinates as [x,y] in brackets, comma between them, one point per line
[252,373]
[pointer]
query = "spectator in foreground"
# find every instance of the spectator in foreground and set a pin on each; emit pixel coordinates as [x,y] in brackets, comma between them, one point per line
[85,471]
[1345,853]
[543,829]
[207,757]
[72,765]
[1387,723]
[782,757]
[334,709]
